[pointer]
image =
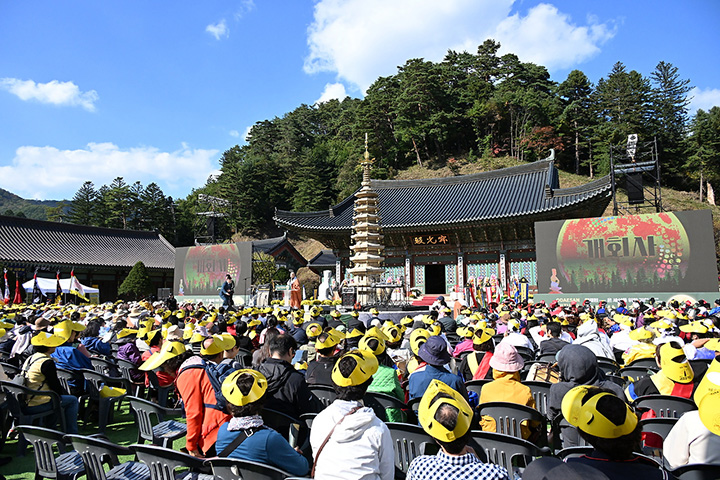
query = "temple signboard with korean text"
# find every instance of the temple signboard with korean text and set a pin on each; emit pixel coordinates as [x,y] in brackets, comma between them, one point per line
[431,239]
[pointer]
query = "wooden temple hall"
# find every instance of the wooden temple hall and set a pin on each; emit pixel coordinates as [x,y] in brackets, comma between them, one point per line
[438,233]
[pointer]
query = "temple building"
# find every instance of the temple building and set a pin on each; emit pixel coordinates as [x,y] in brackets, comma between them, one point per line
[438,233]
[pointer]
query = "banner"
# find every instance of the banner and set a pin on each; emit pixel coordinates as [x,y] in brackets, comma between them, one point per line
[201,271]
[660,252]
[76,287]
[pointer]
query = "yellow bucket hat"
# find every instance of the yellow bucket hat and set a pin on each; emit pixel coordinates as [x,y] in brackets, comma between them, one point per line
[46,339]
[167,351]
[232,392]
[437,395]
[417,338]
[583,408]
[333,338]
[220,343]
[363,345]
[313,330]
[366,364]
[482,335]
[674,364]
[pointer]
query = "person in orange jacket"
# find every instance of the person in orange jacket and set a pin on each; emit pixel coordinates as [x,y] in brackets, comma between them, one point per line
[204,413]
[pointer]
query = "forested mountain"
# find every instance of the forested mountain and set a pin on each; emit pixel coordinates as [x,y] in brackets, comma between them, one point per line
[435,115]
[13,205]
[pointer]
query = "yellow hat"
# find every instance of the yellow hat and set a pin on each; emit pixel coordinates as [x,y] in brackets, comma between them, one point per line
[641,334]
[354,333]
[674,363]
[694,327]
[335,314]
[580,409]
[366,364]
[333,338]
[315,311]
[482,335]
[219,344]
[710,381]
[437,395]
[45,339]
[374,311]
[6,324]
[709,409]
[301,365]
[197,337]
[180,314]
[363,345]
[151,334]
[355,313]
[427,320]
[624,320]
[126,332]
[254,323]
[2,332]
[313,330]
[434,330]
[407,321]
[713,344]
[465,332]
[377,333]
[417,338]
[393,334]
[661,325]
[232,393]
[169,350]
[68,326]
[513,324]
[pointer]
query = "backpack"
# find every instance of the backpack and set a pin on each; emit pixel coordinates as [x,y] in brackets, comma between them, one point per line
[214,377]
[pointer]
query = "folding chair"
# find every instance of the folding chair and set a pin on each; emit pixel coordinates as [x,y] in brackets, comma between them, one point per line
[697,471]
[104,366]
[610,367]
[540,392]
[633,374]
[476,385]
[10,370]
[125,369]
[66,466]
[235,469]
[95,383]
[162,433]
[97,454]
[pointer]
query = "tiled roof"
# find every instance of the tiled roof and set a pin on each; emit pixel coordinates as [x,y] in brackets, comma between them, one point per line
[498,195]
[268,244]
[35,241]
[323,259]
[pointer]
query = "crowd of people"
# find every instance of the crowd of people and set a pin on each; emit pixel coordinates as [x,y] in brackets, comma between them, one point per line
[227,364]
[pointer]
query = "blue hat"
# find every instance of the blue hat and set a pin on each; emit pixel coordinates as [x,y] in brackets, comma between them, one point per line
[435,351]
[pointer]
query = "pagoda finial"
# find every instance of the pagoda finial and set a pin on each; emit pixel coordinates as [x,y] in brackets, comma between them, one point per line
[366,163]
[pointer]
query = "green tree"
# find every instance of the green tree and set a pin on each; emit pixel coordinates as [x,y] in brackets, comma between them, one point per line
[57,213]
[137,284]
[118,200]
[83,204]
[575,96]
[263,268]
[670,114]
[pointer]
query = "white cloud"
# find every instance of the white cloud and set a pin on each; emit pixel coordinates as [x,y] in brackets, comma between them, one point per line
[704,99]
[245,7]
[360,40]
[332,91]
[218,30]
[54,92]
[247,133]
[234,133]
[48,172]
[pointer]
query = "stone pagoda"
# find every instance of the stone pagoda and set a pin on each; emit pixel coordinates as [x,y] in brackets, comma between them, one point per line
[367,238]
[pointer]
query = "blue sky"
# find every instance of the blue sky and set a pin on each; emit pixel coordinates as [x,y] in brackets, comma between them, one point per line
[156,91]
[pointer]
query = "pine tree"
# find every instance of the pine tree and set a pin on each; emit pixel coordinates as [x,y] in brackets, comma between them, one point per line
[137,284]
[575,94]
[83,205]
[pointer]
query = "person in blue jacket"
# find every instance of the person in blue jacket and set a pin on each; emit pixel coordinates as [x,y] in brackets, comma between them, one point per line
[68,356]
[245,436]
[90,339]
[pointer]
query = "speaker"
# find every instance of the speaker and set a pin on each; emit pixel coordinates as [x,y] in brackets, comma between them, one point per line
[634,184]
[348,296]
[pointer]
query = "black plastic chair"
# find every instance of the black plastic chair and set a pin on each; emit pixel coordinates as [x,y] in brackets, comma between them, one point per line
[95,382]
[409,441]
[164,464]
[68,378]
[476,385]
[324,393]
[526,353]
[658,426]
[307,419]
[104,366]
[610,367]
[414,405]
[163,393]
[161,432]
[633,374]
[547,358]
[16,396]
[97,454]
[540,392]
[504,450]
[125,369]
[10,370]
[66,466]
[508,417]
[244,358]
[573,452]
[650,363]
[235,469]
[292,429]
[380,402]
[617,380]
[697,471]
[565,435]
[665,405]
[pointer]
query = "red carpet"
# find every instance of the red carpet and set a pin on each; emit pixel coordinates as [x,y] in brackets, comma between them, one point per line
[425,301]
